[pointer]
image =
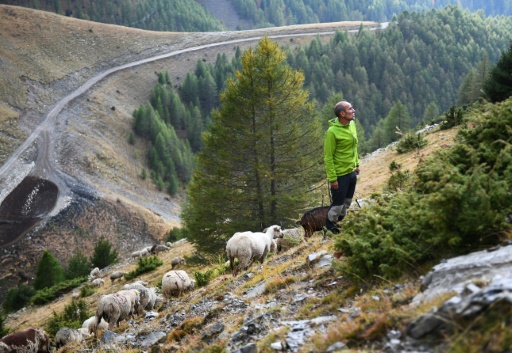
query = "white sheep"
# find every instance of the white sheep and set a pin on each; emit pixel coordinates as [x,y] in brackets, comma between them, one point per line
[66,335]
[98,282]
[133,296]
[175,282]
[116,274]
[91,323]
[136,254]
[274,246]
[141,253]
[159,248]
[144,296]
[154,299]
[249,246]
[113,308]
[94,274]
[177,261]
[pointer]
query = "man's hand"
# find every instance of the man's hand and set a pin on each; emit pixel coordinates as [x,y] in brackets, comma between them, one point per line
[334,185]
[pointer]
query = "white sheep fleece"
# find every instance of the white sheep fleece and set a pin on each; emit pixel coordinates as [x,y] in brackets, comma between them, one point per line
[176,282]
[249,246]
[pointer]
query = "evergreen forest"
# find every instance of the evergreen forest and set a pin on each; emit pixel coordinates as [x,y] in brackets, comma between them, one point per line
[403,76]
[190,16]
[271,13]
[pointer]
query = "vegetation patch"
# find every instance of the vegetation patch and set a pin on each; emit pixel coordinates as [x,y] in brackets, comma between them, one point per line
[144,265]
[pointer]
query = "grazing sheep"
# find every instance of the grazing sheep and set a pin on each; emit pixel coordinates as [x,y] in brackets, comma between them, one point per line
[32,340]
[154,299]
[66,335]
[98,282]
[94,274]
[248,247]
[169,244]
[159,248]
[91,322]
[116,274]
[175,282]
[136,254]
[133,296]
[113,308]
[141,253]
[144,295]
[177,262]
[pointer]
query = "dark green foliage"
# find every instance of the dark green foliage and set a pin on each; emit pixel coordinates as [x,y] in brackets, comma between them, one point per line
[203,279]
[87,290]
[18,298]
[47,295]
[104,255]
[78,266]
[74,314]
[174,235]
[399,179]
[131,139]
[411,141]
[289,12]
[155,15]
[144,265]
[49,271]
[3,330]
[498,86]
[260,154]
[452,118]
[457,204]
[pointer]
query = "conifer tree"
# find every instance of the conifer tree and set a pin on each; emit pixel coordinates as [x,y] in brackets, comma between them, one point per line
[498,86]
[103,254]
[397,118]
[49,271]
[78,266]
[261,154]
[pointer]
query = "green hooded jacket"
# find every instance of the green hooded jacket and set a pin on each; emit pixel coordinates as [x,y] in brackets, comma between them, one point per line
[340,149]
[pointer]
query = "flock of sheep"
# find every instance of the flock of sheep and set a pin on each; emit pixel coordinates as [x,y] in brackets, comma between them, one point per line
[135,298]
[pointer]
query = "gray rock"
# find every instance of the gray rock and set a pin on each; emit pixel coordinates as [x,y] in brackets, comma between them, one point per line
[338,346]
[152,339]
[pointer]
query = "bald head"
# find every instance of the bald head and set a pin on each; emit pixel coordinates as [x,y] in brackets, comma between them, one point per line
[340,107]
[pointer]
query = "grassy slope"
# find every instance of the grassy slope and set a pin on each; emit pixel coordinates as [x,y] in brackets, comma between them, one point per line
[45,48]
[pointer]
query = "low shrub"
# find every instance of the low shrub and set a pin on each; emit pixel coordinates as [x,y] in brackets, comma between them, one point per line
[410,141]
[144,265]
[46,295]
[17,298]
[458,202]
[73,315]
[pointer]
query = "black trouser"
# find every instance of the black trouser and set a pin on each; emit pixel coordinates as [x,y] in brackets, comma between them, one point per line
[341,200]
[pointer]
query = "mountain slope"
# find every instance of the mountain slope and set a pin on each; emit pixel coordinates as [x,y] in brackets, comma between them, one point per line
[45,57]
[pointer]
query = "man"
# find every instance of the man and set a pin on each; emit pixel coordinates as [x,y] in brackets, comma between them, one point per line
[341,162]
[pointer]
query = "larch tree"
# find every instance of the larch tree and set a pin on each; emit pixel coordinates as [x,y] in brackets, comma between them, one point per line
[261,155]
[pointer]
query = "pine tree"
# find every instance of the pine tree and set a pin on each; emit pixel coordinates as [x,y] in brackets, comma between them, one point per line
[78,266]
[49,271]
[261,154]
[103,254]
[397,118]
[498,86]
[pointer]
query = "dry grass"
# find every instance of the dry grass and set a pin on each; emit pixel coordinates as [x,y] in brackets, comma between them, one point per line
[375,168]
